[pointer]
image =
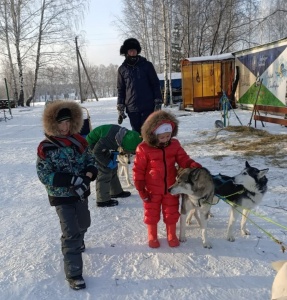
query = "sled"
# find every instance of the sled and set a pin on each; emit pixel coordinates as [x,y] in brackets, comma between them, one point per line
[87,126]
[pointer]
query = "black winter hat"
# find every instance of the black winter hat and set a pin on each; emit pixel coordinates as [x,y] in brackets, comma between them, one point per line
[130,44]
[63,114]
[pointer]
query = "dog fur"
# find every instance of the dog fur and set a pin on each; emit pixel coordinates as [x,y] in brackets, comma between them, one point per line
[197,189]
[124,161]
[279,286]
[245,191]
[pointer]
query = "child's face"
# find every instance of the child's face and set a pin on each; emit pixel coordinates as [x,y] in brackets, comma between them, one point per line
[163,138]
[64,127]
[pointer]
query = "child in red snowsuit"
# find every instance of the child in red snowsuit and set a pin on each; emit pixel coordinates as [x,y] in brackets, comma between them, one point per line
[155,171]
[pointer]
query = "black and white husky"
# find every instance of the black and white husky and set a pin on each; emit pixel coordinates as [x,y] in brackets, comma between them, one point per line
[244,191]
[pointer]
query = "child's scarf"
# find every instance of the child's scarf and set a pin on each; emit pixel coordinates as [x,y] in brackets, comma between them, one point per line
[53,142]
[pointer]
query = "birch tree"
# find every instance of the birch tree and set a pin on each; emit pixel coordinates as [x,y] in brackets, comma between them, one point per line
[41,33]
[5,38]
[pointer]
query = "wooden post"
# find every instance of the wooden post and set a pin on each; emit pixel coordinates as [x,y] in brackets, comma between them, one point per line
[79,71]
[88,76]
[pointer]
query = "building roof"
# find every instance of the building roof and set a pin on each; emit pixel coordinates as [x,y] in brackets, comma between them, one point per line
[175,75]
[211,57]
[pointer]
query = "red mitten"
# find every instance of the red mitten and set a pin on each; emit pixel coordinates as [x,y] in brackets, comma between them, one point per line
[195,165]
[144,196]
[140,186]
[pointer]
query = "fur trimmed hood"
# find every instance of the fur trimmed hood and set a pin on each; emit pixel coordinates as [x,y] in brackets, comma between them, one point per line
[153,122]
[50,113]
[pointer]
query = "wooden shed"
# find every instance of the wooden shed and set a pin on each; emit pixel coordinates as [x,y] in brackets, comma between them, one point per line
[204,78]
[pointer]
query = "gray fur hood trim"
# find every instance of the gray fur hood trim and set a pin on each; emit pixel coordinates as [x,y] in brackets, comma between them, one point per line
[153,122]
[50,124]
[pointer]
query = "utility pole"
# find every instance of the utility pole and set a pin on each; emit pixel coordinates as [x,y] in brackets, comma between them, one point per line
[79,71]
[85,69]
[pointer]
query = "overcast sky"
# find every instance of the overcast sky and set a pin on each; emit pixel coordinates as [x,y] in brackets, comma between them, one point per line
[104,40]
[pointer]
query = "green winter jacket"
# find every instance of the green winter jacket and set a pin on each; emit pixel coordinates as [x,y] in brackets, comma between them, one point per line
[102,140]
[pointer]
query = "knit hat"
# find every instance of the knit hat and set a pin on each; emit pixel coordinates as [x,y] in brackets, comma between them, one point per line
[131,140]
[163,128]
[130,44]
[63,114]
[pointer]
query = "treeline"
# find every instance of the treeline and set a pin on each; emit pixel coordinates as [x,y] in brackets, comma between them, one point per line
[58,83]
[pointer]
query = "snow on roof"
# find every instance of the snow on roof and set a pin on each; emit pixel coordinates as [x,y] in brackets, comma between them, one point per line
[211,57]
[176,75]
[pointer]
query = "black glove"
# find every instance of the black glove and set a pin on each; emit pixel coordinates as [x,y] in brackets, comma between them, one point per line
[120,120]
[157,104]
[81,188]
[92,169]
[121,112]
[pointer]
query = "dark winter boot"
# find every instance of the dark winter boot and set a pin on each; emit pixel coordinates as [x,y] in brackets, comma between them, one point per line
[109,203]
[123,194]
[152,236]
[76,282]
[171,235]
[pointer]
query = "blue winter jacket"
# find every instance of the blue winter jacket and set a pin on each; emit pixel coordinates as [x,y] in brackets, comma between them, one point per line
[138,86]
[58,165]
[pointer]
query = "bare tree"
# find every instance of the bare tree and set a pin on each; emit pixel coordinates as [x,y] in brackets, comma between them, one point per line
[273,25]
[41,33]
[5,38]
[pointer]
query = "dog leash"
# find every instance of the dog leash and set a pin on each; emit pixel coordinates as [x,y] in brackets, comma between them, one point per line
[283,248]
[219,197]
[224,198]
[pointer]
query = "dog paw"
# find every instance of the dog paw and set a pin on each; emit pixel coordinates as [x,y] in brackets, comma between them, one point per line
[182,239]
[207,245]
[231,238]
[245,232]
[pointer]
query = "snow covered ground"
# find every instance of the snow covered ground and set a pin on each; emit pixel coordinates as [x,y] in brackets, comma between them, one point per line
[118,264]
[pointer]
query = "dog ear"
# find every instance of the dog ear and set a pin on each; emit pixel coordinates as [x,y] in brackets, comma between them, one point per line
[195,172]
[262,173]
[247,164]
[193,175]
[120,150]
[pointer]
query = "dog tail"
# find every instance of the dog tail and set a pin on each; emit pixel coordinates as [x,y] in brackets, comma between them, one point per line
[276,265]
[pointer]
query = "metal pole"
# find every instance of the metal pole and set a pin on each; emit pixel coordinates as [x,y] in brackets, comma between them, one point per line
[255,103]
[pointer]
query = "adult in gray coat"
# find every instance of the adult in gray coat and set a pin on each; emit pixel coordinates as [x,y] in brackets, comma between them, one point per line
[138,86]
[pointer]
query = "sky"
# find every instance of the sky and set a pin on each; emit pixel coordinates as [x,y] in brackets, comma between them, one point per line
[118,264]
[103,38]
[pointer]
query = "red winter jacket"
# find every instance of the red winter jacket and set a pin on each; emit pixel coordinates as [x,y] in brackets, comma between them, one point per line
[157,166]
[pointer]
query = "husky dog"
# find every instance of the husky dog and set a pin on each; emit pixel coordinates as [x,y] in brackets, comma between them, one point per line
[279,290]
[197,189]
[124,160]
[245,191]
